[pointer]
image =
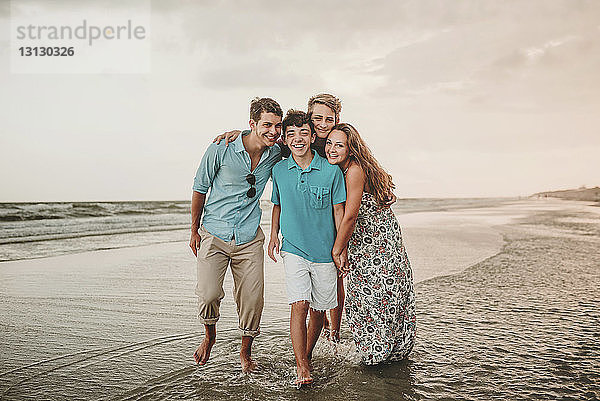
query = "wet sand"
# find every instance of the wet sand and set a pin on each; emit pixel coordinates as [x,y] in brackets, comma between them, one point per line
[121,323]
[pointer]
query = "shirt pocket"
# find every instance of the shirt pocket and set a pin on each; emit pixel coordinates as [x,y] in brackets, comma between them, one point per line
[320,197]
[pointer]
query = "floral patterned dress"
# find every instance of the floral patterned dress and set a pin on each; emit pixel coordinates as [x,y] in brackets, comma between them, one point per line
[380,301]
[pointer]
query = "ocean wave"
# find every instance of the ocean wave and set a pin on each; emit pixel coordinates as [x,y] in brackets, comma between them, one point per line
[51,237]
[10,212]
[14,212]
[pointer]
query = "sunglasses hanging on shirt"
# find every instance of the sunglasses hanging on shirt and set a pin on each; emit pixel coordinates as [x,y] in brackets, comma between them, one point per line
[252,181]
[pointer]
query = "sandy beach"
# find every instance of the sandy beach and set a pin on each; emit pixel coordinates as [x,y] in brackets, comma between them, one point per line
[120,323]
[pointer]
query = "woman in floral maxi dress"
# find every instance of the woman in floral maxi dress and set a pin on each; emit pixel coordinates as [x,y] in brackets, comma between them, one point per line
[380,298]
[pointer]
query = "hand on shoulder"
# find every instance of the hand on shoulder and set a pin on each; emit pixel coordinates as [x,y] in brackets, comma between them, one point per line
[229,137]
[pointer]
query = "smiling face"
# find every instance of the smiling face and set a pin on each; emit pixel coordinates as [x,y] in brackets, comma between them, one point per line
[267,128]
[336,147]
[323,118]
[298,139]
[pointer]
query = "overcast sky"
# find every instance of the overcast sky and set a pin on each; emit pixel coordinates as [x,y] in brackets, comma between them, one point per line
[455,98]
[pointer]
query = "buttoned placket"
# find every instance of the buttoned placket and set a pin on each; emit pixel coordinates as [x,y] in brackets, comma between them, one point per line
[248,162]
[302,180]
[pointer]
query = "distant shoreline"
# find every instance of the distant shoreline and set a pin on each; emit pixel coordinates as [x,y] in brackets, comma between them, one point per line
[581,194]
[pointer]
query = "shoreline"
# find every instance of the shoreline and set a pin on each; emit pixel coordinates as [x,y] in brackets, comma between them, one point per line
[462,237]
[81,307]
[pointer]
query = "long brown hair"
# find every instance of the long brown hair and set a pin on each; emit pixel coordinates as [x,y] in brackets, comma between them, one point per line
[378,179]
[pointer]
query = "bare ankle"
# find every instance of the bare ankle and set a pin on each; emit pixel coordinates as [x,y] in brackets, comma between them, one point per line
[210,333]
[248,364]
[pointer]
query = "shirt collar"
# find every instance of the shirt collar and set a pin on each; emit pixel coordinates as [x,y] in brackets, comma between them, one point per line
[316,163]
[238,145]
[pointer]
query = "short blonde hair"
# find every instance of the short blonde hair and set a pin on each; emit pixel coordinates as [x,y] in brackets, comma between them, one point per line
[328,100]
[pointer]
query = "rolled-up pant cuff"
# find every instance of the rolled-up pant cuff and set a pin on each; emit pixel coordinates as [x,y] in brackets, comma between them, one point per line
[249,333]
[210,320]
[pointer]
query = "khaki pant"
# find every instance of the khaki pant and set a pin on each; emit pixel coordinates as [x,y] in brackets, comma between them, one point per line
[247,268]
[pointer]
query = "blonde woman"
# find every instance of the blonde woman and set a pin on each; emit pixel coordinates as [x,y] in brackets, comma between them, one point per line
[380,299]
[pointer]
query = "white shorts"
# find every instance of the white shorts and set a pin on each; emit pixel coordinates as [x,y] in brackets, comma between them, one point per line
[310,281]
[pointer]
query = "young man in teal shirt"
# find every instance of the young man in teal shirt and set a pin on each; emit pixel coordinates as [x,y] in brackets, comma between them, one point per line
[308,197]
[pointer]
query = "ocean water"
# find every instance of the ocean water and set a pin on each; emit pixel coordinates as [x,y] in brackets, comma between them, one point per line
[119,324]
[34,230]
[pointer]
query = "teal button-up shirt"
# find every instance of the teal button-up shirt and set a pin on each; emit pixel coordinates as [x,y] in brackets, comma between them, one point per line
[228,212]
[306,198]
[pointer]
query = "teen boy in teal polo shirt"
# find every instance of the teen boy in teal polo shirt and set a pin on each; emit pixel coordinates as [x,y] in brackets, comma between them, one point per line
[308,195]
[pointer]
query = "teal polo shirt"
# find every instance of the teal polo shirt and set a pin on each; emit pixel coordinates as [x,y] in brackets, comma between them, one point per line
[306,198]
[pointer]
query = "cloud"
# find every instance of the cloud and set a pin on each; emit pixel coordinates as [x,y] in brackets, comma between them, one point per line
[279,44]
[536,55]
[556,75]
[259,73]
[450,85]
[336,26]
[535,52]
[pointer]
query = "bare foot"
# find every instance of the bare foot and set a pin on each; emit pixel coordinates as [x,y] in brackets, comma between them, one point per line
[203,351]
[248,364]
[303,376]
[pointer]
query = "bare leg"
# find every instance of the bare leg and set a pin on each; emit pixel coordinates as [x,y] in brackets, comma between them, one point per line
[298,335]
[315,323]
[336,313]
[203,351]
[326,328]
[248,364]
